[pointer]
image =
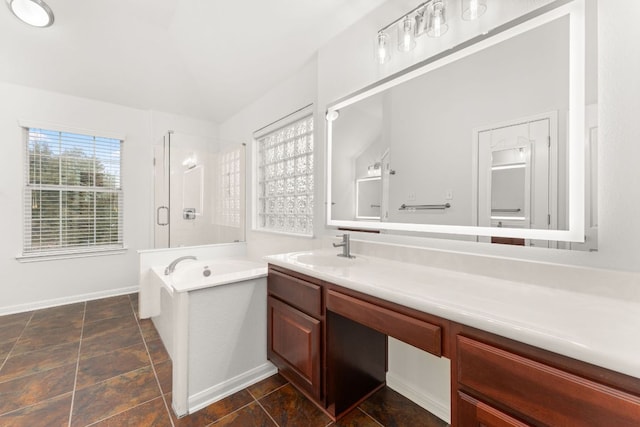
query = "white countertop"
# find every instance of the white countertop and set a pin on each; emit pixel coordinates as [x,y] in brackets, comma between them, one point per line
[602,331]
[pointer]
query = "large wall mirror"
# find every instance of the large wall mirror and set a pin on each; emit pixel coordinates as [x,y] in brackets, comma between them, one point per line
[489,141]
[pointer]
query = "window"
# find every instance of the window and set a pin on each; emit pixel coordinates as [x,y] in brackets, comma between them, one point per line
[230,194]
[285,178]
[72,193]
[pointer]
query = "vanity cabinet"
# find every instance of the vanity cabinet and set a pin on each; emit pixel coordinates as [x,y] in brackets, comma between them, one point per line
[295,327]
[504,383]
[331,342]
[334,360]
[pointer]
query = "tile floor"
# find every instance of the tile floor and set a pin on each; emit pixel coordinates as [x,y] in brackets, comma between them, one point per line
[97,364]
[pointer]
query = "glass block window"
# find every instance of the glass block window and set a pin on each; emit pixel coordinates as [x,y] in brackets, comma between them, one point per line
[285,178]
[72,193]
[230,194]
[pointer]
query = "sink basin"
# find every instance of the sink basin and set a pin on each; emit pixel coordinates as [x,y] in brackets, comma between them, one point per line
[325,260]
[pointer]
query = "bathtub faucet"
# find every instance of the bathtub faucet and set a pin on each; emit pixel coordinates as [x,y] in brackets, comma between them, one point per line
[172,266]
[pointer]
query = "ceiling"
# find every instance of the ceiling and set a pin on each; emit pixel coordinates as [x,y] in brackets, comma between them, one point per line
[201,58]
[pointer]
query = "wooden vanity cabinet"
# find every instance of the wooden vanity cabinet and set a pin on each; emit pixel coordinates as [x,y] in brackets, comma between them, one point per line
[331,342]
[295,329]
[499,382]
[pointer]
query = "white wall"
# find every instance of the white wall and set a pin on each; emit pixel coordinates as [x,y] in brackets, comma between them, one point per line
[162,122]
[619,135]
[28,285]
[298,91]
[346,64]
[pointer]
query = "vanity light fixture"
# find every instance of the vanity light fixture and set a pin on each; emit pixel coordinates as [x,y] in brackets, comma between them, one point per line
[429,17]
[406,40]
[473,9]
[33,12]
[436,19]
[421,22]
[382,47]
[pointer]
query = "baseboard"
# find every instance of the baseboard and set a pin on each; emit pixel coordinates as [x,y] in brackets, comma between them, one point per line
[38,305]
[436,407]
[227,388]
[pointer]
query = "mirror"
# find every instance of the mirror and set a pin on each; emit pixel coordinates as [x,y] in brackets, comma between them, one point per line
[368,196]
[486,140]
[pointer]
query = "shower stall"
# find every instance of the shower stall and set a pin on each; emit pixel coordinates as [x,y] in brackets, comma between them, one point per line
[199,191]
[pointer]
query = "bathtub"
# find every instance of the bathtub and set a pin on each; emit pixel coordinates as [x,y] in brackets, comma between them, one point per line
[211,316]
[189,275]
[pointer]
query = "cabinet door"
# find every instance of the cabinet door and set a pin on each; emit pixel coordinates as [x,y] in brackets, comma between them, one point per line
[294,345]
[473,413]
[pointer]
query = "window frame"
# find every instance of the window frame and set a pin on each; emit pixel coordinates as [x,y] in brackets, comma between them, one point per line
[305,113]
[30,252]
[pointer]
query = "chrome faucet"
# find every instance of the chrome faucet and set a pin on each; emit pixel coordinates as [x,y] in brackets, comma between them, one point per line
[172,266]
[346,246]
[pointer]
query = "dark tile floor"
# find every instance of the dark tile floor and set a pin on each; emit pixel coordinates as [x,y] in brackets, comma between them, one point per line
[97,364]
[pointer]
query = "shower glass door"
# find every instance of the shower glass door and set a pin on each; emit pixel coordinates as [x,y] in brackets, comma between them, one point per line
[199,191]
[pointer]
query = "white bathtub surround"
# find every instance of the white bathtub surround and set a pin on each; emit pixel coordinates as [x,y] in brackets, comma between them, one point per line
[214,328]
[189,274]
[587,326]
[149,299]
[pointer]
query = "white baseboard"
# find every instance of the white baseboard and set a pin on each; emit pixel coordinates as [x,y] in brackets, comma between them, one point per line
[227,388]
[38,305]
[426,401]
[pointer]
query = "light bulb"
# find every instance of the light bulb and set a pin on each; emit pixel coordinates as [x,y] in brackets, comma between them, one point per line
[437,26]
[382,49]
[406,41]
[473,9]
[332,115]
[437,23]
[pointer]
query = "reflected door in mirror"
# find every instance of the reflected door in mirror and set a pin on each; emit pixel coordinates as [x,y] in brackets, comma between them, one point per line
[515,181]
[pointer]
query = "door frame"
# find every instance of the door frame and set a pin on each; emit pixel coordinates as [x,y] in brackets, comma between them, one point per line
[553,117]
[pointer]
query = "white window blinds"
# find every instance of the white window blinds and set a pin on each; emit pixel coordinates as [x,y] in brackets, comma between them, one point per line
[72,193]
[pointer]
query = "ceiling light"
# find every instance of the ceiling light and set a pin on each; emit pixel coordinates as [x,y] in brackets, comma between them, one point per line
[32,12]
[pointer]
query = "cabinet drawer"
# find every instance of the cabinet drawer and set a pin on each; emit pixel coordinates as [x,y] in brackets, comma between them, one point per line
[540,392]
[473,413]
[413,331]
[297,292]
